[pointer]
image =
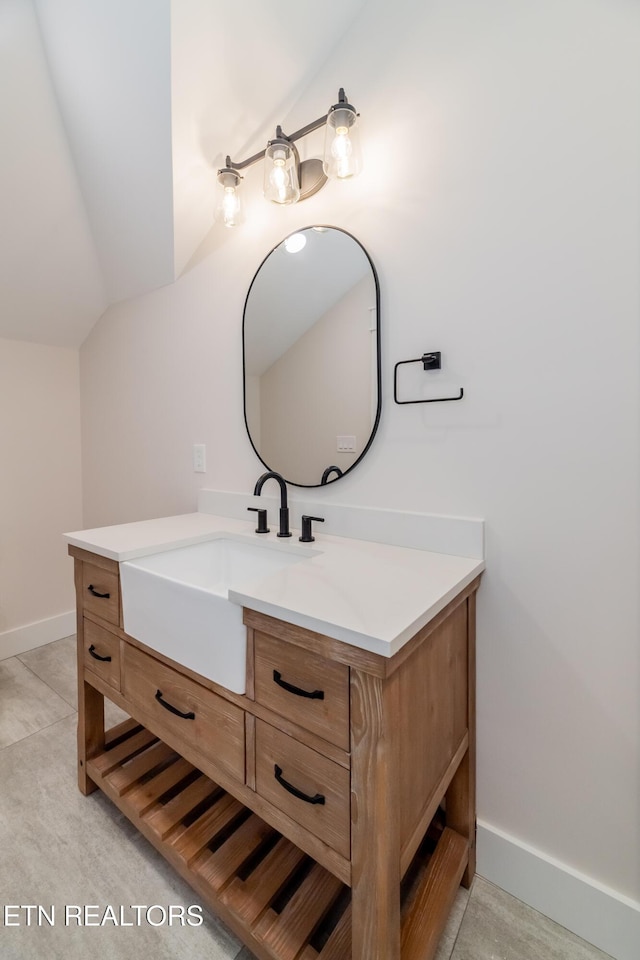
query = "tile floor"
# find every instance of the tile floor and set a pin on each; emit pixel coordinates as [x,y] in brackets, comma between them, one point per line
[60,848]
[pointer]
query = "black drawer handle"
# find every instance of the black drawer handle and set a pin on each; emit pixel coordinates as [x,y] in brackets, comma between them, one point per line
[313,695]
[103,596]
[277,772]
[168,706]
[96,656]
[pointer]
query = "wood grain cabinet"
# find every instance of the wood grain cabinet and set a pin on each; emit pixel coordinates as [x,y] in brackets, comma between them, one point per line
[328,813]
[313,790]
[102,653]
[303,687]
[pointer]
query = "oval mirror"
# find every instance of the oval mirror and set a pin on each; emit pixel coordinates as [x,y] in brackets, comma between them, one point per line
[311,346]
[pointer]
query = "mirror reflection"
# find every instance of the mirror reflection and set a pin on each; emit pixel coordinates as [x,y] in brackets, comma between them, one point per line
[311,356]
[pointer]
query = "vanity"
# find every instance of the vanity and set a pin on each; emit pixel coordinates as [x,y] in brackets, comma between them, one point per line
[301,741]
[326,812]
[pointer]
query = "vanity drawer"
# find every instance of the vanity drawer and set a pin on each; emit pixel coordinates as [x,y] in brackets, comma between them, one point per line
[101,592]
[102,653]
[311,789]
[185,710]
[303,687]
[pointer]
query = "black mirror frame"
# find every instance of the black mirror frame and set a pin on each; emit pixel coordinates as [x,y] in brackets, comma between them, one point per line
[378,354]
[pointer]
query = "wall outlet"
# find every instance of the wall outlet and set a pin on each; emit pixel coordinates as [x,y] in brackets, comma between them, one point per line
[199,458]
[346,444]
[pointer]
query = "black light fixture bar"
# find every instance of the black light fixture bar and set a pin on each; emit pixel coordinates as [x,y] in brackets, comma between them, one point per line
[298,135]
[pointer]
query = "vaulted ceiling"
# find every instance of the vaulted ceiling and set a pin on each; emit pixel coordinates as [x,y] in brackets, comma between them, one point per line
[115,117]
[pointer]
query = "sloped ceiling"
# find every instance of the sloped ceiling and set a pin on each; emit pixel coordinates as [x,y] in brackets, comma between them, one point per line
[118,116]
[276,323]
[51,288]
[110,63]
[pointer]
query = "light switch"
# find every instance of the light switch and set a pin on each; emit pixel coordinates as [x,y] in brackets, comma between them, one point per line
[199,458]
[346,444]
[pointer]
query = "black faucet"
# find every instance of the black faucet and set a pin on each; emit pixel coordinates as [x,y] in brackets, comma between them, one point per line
[327,473]
[284,509]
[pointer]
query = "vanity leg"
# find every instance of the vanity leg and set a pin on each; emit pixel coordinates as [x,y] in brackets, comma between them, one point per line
[375,832]
[90,706]
[461,795]
[90,732]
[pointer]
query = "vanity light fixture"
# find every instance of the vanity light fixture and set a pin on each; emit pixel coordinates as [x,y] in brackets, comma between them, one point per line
[286,178]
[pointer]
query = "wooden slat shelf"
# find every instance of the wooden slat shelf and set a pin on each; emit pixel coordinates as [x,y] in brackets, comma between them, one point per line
[287,906]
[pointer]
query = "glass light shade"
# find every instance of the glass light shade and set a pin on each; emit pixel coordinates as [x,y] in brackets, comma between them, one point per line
[342,158]
[229,207]
[281,183]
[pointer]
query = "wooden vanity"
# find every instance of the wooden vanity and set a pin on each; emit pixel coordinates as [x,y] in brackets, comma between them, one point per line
[307,813]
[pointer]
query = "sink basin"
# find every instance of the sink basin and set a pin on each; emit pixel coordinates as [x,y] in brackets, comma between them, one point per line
[176,602]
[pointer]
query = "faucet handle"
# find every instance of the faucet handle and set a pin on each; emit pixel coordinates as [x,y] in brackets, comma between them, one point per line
[262,519]
[307,536]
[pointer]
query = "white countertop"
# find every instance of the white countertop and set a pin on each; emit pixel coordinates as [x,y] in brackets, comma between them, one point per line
[372,595]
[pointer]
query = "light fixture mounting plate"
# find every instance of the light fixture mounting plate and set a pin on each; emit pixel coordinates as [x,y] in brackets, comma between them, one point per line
[312,177]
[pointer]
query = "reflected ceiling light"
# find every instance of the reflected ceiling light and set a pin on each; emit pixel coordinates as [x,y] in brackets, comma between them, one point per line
[286,178]
[295,243]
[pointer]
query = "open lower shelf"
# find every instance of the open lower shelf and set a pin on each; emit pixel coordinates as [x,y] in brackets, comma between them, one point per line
[282,903]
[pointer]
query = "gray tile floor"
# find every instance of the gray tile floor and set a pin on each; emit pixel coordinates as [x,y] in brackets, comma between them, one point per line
[58,848]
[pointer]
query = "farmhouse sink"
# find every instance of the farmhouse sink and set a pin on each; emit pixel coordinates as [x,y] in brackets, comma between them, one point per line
[176,602]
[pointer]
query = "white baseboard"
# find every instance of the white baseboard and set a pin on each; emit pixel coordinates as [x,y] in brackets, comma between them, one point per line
[21,639]
[592,911]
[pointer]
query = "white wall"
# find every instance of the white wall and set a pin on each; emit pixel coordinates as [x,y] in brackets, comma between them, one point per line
[511,244]
[40,492]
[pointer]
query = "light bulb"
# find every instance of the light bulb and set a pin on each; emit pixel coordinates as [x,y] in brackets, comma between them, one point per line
[230,206]
[278,179]
[280,172]
[341,151]
[342,148]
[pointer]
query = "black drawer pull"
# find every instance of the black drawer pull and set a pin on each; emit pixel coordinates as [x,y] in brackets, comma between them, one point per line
[168,706]
[277,772]
[313,695]
[96,656]
[103,596]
